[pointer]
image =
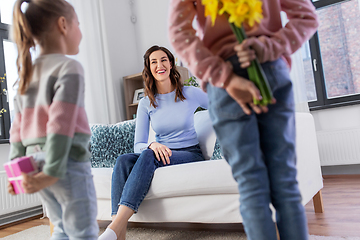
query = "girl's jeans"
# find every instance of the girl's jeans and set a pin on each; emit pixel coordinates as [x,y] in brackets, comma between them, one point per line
[71,204]
[260,149]
[133,174]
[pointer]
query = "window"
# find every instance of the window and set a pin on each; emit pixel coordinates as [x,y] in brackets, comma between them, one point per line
[8,72]
[332,74]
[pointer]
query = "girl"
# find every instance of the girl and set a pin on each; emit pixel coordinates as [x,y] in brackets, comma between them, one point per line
[169,107]
[50,115]
[258,142]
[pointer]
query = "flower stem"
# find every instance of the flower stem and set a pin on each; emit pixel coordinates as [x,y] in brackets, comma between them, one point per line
[255,72]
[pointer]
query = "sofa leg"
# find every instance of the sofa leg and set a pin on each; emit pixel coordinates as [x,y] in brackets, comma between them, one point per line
[318,202]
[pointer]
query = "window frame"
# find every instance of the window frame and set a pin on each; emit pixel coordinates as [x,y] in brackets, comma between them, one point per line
[323,102]
[5,119]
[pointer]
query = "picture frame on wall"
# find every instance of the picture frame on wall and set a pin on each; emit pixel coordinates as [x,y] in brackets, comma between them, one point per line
[138,95]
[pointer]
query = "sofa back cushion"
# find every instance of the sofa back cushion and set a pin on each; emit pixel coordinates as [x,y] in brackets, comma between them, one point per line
[109,141]
[205,133]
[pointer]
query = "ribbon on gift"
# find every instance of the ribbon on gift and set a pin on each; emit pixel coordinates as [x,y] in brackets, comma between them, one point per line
[15,178]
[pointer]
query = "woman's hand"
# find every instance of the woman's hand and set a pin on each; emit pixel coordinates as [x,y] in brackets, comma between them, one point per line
[11,189]
[243,91]
[35,183]
[161,151]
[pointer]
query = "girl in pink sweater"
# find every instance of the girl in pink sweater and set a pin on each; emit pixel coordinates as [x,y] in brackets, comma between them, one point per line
[50,116]
[257,141]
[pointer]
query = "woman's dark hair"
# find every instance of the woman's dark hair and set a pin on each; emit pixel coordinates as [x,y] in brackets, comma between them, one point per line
[33,24]
[149,80]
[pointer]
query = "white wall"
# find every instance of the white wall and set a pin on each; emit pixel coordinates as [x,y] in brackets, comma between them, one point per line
[120,46]
[4,154]
[152,24]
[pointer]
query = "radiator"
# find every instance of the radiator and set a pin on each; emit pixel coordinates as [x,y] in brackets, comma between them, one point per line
[339,147]
[14,208]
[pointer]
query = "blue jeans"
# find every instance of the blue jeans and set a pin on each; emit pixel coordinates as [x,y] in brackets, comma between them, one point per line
[260,149]
[71,204]
[133,174]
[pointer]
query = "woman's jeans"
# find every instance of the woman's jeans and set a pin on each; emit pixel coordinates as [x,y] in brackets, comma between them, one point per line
[133,174]
[71,204]
[260,149]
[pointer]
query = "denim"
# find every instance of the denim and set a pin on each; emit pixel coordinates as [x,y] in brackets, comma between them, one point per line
[133,174]
[71,204]
[260,149]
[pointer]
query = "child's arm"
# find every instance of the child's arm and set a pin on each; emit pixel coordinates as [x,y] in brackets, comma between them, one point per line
[202,62]
[17,149]
[192,51]
[35,183]
[302,24]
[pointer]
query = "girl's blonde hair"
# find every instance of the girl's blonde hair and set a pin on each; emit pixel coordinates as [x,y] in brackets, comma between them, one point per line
[33,24]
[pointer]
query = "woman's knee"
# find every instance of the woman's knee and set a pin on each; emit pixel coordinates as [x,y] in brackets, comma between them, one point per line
[123,160]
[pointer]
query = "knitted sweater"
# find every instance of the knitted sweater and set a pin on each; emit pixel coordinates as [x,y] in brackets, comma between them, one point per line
[51,115]
[203,50]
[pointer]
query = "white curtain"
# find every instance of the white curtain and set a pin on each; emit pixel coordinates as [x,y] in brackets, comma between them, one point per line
[92,57]
[298,77]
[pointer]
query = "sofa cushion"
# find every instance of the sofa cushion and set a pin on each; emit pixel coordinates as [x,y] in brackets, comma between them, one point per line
[179,180]
[217,154]
[205,133]
[109,141]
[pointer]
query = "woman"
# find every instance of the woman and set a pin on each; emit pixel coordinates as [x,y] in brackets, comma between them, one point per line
[169,107]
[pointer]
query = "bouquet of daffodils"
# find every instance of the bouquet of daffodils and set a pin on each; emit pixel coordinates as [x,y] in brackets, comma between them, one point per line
[238,13]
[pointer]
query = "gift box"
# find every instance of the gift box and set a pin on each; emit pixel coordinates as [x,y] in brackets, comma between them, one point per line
[14,169]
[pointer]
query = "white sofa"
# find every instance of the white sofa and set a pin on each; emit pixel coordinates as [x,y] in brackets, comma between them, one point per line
[205,192]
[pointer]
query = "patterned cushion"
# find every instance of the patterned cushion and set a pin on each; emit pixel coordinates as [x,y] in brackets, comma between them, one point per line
[107,142]
[217,154]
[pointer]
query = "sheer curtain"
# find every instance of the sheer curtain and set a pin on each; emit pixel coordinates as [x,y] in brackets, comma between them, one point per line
[92,57]
[298,77]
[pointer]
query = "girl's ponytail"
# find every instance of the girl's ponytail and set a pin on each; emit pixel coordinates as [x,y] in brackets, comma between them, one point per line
[24,40]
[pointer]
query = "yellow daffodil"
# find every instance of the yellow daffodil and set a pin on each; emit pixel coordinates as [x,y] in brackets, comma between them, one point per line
[211,9]
[239,12]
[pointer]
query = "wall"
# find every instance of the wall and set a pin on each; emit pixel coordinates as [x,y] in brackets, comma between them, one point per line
[152,24]
[120,47]
[337,121]
[4,154]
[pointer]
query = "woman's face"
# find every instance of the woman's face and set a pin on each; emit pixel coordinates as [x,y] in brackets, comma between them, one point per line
[160,65]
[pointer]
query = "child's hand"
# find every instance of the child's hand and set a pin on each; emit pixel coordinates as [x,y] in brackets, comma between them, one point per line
[243,91]
[11,189]
[35,183]
[248,50]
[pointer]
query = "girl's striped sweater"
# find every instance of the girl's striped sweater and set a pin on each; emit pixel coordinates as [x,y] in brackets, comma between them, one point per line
[51,115]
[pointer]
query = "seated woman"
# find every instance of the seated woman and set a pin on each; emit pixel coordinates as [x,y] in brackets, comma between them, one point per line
[169,107]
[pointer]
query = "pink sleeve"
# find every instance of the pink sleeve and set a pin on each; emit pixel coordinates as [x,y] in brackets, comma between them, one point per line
[302,24]
[198,58]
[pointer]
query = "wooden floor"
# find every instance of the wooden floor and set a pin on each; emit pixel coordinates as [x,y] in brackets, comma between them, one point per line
[341,196]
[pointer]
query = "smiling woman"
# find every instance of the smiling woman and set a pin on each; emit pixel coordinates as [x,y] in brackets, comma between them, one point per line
[169,107]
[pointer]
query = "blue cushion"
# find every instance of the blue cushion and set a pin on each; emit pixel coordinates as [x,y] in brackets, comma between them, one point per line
[107,142]
[217,154]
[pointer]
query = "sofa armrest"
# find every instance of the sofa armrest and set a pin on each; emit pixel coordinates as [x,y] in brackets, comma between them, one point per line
[308,161]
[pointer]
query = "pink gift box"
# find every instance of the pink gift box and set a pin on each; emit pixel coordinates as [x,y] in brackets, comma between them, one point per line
[15,167]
